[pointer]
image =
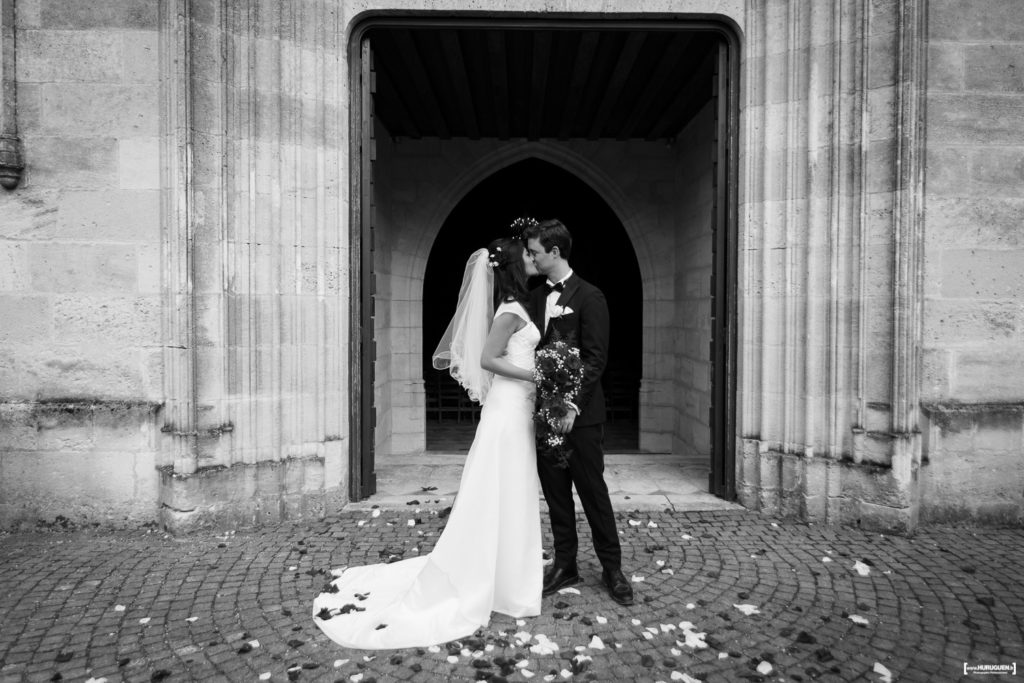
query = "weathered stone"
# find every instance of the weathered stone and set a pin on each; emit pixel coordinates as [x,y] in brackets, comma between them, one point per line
[983,274]
[84,14]
[70,56]
[111,216]
[83,268]
[114,110]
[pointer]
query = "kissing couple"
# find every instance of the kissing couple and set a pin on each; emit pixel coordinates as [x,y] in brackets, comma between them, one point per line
[489,556]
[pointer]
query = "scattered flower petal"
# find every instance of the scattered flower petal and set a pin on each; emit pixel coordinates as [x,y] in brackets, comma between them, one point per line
[653,630]
[520,622]
[145,620]
[676,652]
[723,655]
[254,643]
[570,590]
[826,559]
[667,570]
[361,522]
[687,537]
[601,620]
[375,513]
[119,608]
[685,678]
[636,622]
[338,663]
[647,635]
[764,668]
[355,678]
[637,579]
[886,675]
[434,648]
[652,525]
[96,680]
[634,522]
[691,605]
[596,643]
[265,676]
[192,619]
[527,673]
[523,663]
[566,673]
[857,619]
[861,568]
[292,568]
[452,659]
[748,609]
[665,628]
[411,522]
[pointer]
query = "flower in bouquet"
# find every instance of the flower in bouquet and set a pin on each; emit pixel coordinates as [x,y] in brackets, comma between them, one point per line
[558,373]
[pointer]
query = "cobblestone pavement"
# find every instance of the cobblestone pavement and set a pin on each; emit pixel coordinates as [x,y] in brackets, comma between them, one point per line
[721,596]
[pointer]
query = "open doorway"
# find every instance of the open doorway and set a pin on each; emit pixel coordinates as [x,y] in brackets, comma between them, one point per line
[602,255]
[642,115]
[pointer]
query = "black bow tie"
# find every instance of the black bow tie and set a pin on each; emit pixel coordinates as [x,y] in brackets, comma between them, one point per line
[557,287]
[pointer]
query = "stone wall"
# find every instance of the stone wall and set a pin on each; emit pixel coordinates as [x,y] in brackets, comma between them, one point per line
[692,300]
[973,337]
[80,299]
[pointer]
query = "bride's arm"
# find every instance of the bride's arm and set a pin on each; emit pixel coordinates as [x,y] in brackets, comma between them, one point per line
[505,325]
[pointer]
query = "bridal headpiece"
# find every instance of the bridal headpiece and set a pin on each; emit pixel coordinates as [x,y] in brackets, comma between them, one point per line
[521,224]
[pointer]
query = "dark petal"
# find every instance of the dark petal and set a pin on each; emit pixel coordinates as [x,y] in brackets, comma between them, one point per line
[65,656]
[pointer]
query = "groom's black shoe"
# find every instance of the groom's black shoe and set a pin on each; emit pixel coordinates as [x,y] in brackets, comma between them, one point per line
[557,578]
[618,587]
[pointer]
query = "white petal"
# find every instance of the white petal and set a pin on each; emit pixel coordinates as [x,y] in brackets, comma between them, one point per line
[293,568]
[375,513]
[411,522]
[338,663]
[857,619]
[748,609]
[886,675]
[637,579]
[764,668]
[647,635]
[665,628]
[361,522]
[488,648]
[652,525]
[676,652]
[452,659]
[826,559]
[119,608]
[691,605]
[653,630]
[522,664]
[634,522]
[636,622]
[687,537]
[570,590]
[254,643]
[667,570]
[723,655]
[520,622]
[527,673]
[660,563]
[145,620]
[566,673]
[265,676]
[596,643]
[355,678]
[601,620]
[192,619]
[434,648]
[861,568]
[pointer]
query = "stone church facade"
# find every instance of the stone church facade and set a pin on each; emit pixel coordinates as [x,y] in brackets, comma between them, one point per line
[213,250]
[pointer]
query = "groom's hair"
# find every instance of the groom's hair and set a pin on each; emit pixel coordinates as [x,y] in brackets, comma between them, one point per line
[551,233]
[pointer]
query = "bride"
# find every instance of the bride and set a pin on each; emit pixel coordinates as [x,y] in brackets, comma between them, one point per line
[488,558]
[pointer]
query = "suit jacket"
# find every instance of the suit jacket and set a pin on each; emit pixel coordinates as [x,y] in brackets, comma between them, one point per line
[586,327]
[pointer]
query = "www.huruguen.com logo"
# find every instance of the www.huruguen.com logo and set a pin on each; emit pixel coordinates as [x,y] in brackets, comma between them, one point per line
[1004,669]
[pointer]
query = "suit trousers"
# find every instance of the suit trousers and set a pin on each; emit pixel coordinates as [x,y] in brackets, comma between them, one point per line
[586,471]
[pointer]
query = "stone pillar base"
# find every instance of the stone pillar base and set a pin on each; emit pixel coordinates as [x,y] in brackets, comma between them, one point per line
[245,495]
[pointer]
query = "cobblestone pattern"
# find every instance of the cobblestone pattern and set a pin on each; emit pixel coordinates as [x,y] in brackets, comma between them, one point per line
[236,607]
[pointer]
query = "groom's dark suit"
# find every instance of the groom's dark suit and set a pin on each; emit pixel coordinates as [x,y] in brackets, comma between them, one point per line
[587,326]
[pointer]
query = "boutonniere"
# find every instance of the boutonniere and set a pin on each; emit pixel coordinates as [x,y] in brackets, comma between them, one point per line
[558,311]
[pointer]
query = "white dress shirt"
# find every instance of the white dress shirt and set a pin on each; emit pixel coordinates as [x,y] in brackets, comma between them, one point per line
[553,298]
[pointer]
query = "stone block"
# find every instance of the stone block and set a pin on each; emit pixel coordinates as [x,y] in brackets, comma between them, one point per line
[139,164]
[70,56]
[141,56]
[983,274]
[883,519]
[975,20]
[974,221]
[994,68]
[112,215]
[873,484]
[115,110]
[961,321]
[83,14]
[83,268]
[72,161]
[978,119]
[26,319]
[945,67]
[107,320]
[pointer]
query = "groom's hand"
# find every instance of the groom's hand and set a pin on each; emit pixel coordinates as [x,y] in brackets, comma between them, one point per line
[566,423]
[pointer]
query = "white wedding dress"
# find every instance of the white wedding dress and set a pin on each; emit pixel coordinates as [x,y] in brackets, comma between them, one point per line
[488,558]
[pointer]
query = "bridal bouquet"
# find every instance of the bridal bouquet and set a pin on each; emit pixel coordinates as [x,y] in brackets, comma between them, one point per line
[558,374]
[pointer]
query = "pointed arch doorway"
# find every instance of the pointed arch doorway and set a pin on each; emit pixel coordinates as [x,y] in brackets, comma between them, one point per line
[602,254]
[652,123]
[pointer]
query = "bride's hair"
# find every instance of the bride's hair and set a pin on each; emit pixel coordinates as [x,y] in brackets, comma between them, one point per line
[505,256]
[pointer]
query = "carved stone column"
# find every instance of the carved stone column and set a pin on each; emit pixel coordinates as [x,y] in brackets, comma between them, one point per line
[11,163]
[830,317]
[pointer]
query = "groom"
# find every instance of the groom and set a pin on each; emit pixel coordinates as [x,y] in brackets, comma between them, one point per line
[576,310]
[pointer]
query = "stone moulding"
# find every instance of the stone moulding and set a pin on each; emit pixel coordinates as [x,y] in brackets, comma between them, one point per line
[11,161]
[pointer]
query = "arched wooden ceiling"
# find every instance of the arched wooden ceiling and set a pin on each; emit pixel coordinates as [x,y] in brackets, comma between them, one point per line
[540,83]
